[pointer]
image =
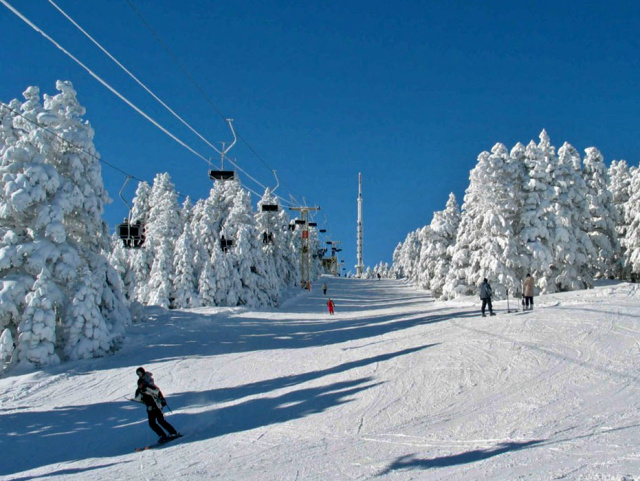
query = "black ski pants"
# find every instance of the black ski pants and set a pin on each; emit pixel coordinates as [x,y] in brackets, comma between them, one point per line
[156,417]
[486,302]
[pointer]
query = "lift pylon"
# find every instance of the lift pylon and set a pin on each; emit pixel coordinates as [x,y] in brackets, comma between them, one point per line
[305,255]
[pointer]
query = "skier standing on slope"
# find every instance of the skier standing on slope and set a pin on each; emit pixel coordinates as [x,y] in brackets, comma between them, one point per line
[529,284]
[485,296]
[150,395]
[330,305]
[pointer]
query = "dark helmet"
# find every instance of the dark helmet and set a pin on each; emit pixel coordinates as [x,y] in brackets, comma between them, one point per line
[140,371]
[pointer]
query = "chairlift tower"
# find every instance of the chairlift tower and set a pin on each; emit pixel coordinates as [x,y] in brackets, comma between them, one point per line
[360,265]
[305,263]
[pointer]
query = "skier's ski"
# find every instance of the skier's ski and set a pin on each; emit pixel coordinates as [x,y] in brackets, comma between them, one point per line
[158,444]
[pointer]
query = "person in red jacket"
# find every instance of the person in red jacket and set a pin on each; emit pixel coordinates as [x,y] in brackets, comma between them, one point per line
[330,305]
[150,395]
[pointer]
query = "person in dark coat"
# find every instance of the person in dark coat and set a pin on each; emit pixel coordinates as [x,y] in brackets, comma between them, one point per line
[150,395]
[485,296]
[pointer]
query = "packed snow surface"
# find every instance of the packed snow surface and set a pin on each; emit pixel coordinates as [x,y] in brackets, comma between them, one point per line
[393,386]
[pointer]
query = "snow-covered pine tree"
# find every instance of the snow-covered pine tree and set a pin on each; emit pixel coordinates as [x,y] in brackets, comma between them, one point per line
[632,239]
[121,259]
[6,348]
[273,229]
[246,256]
[409,256]
[486,245]
[163,228]
[603,214]
[422,274]
[397,267]
[51,205]
[570,267]
[444,228]
[185,283]
[620,187]
[536,215]
[141,260]
[383,269]
[37,337]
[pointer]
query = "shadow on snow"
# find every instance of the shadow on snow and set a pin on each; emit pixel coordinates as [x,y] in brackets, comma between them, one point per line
[35,439]
[410,461]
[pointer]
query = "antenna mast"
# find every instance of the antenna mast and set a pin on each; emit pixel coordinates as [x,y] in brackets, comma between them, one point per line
[360,265]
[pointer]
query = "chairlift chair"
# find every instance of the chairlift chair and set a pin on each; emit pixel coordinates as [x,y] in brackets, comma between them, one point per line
[222,174]
[270,208]
[131,234]
[225,244]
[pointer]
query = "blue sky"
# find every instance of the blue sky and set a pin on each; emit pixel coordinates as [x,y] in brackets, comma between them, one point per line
[408,93]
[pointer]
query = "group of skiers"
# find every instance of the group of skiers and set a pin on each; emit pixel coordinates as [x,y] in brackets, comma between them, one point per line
[150,395]
[486,294]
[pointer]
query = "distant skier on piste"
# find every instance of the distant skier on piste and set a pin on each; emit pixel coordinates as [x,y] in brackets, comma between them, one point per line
[485,296]
[330,305]
[150,395]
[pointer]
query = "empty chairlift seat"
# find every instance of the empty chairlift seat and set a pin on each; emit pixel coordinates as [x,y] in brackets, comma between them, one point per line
[221,174]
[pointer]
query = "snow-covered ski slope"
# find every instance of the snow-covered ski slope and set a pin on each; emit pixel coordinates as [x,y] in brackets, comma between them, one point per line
[394,386]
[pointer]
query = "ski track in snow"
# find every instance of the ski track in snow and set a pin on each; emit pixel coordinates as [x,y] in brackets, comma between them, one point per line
[394,386]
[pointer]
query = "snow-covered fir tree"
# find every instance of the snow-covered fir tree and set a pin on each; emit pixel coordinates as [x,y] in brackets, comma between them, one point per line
[162,230]
[572,246]
[185,283]
[51,226]
[384,269]
[603,214]
[486,245]
[620,187]
[282,267]
[422,274]
[444,228]
[246,255]
[141,259]
[632,238]
[536,217]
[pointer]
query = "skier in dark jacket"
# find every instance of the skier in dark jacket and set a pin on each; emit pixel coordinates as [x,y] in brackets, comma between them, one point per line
[485,296]
[150,395]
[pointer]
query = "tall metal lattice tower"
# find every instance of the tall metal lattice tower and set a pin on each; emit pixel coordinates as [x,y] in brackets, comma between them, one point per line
[305,270]
[360,264]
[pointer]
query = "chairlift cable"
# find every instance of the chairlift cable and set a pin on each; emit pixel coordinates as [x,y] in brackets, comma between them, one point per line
[147,89]
[99,79]
[77,147]
[115,92]
[138,81]
[196,84]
